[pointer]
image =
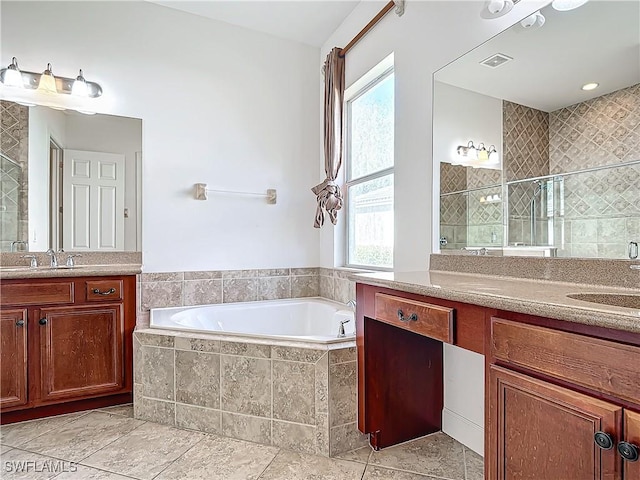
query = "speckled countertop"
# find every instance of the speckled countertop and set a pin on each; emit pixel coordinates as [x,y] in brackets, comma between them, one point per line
[535,297]
[8,272]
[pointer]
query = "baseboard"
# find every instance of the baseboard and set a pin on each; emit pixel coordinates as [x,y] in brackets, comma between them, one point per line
[463,430]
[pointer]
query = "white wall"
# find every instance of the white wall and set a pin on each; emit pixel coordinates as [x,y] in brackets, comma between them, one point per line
[111,134]
[461,115]
[220,104]
[427,37]
[44,123]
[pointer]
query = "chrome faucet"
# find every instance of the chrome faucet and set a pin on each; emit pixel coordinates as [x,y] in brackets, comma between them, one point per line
[33,261]
[351,303]
[341,333]
[54,259]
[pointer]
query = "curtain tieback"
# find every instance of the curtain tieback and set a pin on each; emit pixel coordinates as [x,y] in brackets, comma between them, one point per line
[329,199]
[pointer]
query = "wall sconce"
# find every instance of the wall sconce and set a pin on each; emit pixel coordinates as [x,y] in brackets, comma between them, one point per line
[477,157]
[46,82]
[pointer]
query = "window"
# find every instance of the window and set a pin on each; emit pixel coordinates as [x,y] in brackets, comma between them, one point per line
[369,174]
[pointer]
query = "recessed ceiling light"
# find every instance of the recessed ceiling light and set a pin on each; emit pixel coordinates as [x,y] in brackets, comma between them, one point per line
[590,86]
[566,5]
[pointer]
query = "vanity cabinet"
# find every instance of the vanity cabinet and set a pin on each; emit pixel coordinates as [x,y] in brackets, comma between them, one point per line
[66,344]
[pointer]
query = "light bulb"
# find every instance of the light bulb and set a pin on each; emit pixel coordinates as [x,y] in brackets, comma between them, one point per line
[80,87]
[534,20]
[47,81]
[12,75]
[590,86]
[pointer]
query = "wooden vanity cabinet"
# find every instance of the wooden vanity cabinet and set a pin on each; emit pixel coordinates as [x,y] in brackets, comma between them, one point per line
[561,405]
[66,344]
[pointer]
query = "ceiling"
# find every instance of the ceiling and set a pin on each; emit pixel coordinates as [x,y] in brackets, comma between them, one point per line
[598,42]
[310,22]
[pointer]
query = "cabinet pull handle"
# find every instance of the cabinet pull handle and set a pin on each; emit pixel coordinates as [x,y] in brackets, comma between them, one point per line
[106,292]
[20,323]
[628,451]
[603,440]
[411,318]
[42,321]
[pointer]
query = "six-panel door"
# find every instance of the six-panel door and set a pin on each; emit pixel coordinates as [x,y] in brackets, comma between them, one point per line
[81,351]
[13,357]
[542,431]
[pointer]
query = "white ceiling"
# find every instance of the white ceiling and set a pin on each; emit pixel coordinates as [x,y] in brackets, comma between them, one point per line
[598,42]
[308,21]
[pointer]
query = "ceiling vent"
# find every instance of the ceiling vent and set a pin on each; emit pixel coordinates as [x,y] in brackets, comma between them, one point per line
[496,60]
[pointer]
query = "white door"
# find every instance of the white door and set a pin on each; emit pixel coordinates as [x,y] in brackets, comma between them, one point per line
[93,201]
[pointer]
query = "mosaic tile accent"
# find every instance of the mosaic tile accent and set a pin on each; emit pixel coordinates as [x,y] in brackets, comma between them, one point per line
[602,131]
[525,141]
[14,183]
[483,177]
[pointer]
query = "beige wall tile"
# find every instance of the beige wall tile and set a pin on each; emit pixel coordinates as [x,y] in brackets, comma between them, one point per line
[274,288]
[204,275]
[345,438]
[162,277]
[244,427]
[322,434]
[198,418]
[154,372]
[342,355]
[307,355]
[154,339]
[198,378]
[327,286]
[273,272]
[245,349]
[294,392]
[239,290]
[305,286]
[161,294]
[154,410]
[246,385]
[345,290]
[314,271]
[197,344]
[342,393]
[229,274]
[322,385]
[202,292]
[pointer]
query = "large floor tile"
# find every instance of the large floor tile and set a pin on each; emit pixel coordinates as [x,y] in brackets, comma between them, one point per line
[17,434]
[220,458]
[21,465]
[124,410]
[437,455]
[300,466]
[359,455]
[80,438]
[88,473]
[378,473]
[4,449]
[474,464]
[145,451]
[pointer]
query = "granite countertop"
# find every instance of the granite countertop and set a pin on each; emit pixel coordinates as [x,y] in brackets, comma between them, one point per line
[13,272]
[536,297]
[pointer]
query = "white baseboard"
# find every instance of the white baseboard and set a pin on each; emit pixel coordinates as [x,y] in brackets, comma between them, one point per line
[463,430]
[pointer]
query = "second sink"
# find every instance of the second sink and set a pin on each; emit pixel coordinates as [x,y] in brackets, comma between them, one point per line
[615,299]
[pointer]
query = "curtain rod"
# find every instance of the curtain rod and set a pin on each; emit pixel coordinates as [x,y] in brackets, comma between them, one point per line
[399,4]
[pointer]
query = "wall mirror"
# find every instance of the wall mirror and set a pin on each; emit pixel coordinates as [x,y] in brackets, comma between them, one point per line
[565,177]
[68,180]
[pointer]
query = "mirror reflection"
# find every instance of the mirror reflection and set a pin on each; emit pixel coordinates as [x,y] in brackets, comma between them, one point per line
[68,180]
[567,179]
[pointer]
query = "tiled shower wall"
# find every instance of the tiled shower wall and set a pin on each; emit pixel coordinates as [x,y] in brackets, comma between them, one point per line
[14,143]
[602,210]
[176,289]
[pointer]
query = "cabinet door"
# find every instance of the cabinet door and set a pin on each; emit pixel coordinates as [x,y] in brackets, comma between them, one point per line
[81,351]
[13,358]
[542,431]
[632,435]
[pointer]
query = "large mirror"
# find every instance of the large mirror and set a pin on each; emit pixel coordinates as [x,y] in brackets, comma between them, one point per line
[565,177]
[68,180]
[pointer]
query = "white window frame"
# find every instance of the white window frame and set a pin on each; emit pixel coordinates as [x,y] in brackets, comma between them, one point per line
[350,182]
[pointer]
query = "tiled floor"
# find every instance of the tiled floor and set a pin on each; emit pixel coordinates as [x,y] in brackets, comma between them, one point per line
[108,444]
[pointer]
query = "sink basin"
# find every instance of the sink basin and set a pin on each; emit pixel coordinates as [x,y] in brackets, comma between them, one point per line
[615,299]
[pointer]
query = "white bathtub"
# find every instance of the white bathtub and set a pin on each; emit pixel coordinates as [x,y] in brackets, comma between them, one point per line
[314,320]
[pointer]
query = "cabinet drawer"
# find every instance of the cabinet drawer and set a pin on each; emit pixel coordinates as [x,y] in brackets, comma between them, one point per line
[600,365]
[104,290]
[32,293]
[423,318]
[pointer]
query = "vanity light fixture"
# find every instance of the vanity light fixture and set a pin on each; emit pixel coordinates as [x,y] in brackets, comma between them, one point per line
[476,157]
[590,86]
[566,5]
[12,75]
[47,83]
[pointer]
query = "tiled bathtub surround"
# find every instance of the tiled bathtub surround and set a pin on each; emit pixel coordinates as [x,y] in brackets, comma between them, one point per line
[176,289]
[302,399]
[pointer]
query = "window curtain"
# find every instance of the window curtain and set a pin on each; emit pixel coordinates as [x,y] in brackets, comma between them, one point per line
[328,194]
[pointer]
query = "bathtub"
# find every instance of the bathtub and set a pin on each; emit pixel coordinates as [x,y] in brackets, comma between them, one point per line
[312,320]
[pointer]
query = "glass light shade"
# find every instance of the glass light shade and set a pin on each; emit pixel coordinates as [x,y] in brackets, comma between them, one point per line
[80,87]
[47,82]
[13,78]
